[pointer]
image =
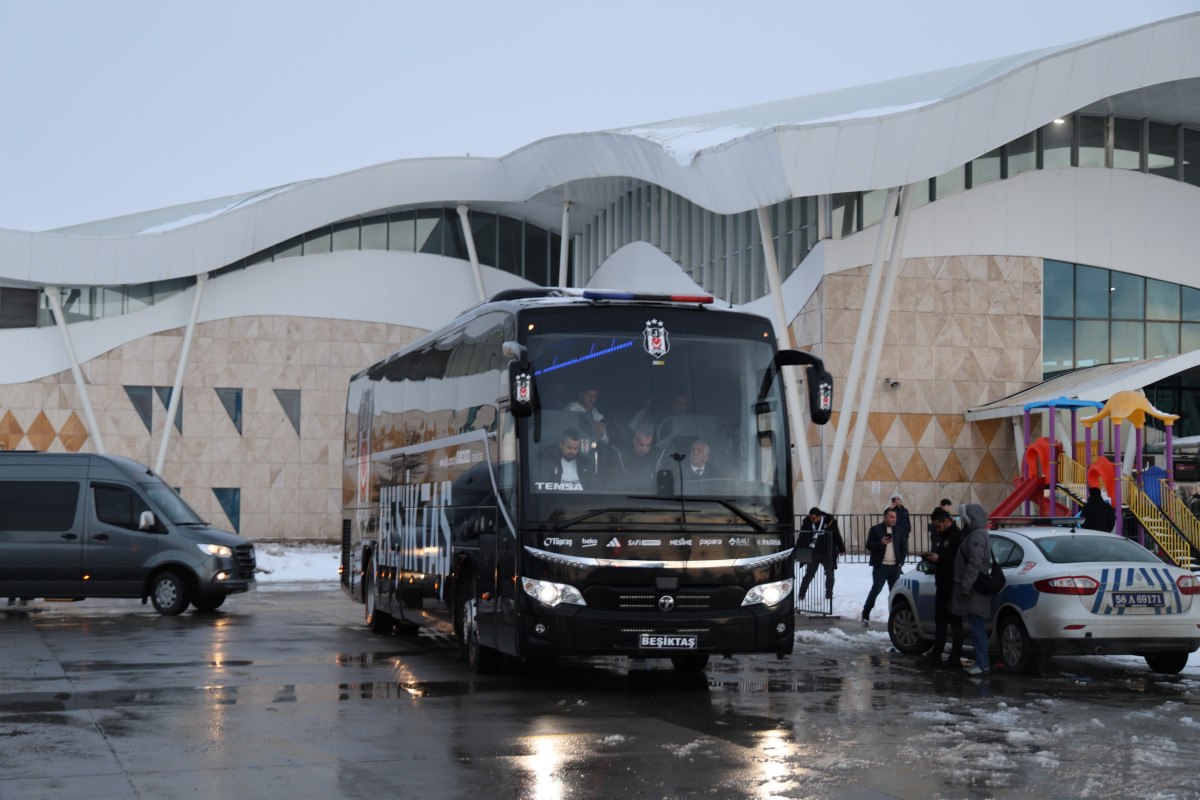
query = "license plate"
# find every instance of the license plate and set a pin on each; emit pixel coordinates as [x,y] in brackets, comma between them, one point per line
[661,641]
[1136,599]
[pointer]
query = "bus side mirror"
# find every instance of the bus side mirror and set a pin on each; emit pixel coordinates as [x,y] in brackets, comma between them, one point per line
[146,521]
[521,387]
[820,382]
[820,395]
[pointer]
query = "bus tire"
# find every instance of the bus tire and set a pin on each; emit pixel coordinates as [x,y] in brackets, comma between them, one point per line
[692,662]
[377,621]
[482,660]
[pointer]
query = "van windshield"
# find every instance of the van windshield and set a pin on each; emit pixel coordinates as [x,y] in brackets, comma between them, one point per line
[171,504]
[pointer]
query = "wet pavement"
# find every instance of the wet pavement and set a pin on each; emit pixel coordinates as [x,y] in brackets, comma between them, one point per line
[285,694]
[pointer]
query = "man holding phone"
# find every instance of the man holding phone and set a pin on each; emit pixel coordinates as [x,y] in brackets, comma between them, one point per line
[888,548]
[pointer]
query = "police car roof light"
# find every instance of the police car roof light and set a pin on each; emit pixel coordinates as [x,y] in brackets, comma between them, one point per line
[595,294]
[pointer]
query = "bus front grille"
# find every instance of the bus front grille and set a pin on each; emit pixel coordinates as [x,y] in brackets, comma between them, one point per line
[610,598]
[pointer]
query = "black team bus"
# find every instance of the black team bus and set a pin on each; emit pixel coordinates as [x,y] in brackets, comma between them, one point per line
[565,472]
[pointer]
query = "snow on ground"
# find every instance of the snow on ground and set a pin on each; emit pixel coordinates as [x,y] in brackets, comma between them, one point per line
[283,564]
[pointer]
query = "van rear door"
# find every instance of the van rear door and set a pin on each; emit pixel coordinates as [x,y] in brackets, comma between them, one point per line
[41,544]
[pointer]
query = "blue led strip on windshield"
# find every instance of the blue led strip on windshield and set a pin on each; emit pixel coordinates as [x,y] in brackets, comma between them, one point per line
[594,354]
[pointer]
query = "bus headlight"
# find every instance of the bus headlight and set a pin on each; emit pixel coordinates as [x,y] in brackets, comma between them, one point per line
[215,550]
[769,594]
[552,594]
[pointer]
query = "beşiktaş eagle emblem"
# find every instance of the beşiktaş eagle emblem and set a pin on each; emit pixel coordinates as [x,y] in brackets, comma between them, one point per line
[654,339]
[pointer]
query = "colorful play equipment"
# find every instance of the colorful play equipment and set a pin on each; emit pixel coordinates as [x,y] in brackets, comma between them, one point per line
[1054,484]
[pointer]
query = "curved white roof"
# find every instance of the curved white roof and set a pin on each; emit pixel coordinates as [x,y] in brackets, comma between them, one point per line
[885,134]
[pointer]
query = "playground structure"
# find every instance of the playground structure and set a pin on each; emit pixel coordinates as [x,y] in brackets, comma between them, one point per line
[1054,483]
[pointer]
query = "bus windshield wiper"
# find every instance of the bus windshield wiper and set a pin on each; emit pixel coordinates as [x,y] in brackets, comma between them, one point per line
[728,504]
[595,512]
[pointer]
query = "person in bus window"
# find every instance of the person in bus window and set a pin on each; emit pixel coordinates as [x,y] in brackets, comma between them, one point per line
[563,469]
[699,462]
[640,459]
[585,405]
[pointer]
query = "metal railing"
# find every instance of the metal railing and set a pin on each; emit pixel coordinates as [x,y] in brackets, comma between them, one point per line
[854,529]
[1179,514]
[1156,524]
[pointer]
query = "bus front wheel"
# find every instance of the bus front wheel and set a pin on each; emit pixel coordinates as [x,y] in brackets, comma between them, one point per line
[482,659]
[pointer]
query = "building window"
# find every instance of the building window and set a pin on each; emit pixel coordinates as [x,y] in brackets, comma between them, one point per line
[231,503]
[1058,143]
[231,401]
[289,400]
[1093,140]
[1162,151]
[1127,143]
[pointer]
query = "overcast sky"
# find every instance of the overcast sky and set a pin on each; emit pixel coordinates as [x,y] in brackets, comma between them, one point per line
[122,106]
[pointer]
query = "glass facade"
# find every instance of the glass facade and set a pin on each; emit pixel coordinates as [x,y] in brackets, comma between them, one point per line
[1099,316]
[722,252]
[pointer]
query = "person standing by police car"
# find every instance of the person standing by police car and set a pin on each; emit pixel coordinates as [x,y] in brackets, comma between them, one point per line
[827,545]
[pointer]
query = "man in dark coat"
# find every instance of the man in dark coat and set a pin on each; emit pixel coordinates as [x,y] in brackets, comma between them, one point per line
[903,523]
[1098,515]
[974,556]
[827,545]
[888,546]
[945,549]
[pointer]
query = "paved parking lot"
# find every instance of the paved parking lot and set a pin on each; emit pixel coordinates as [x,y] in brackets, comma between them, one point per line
[284,694]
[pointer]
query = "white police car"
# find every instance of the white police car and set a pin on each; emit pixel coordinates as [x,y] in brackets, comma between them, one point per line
[1068,591]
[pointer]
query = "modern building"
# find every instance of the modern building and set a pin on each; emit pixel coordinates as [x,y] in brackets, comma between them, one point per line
[1004,221]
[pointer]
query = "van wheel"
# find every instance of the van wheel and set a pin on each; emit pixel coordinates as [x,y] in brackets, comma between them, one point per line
[169,593]
[208,603]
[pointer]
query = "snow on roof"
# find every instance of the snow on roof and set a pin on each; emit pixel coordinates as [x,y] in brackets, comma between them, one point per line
[1089,383]
[685,137]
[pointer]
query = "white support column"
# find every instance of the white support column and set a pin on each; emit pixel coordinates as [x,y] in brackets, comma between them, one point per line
[61,322]
[564,244]
[465,221]
[880,334]
[850,387]
[177,388]
[783,336]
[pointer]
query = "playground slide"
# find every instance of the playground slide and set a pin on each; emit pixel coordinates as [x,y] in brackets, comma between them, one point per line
[1029,489]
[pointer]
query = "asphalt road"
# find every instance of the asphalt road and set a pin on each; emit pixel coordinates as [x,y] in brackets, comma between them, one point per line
[284,694]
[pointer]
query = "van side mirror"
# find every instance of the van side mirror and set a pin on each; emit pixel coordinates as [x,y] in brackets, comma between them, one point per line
[146,521]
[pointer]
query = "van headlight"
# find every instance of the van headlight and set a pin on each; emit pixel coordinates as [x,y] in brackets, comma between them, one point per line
[552,594]
[769,594]
[215,550]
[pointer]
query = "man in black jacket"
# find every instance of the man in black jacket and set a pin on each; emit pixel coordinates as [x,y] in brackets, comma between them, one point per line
[888,546]
[945,548]
[827,545]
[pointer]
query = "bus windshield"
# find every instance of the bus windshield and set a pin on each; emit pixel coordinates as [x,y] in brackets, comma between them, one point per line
[656,416]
